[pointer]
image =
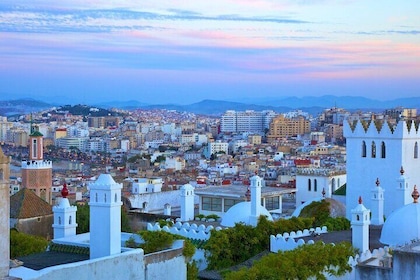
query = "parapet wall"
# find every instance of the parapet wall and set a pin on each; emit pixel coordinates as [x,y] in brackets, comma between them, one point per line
[287,242]
[192,231]
[36,164]
[384,129]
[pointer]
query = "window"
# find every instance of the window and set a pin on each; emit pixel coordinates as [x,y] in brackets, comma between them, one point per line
[383,150]
[309,185]
[373,150]
[363,149]
[1,174]
[229,203]
[315,185]
[272,203]
[416,150]
[34,149]
[212,204]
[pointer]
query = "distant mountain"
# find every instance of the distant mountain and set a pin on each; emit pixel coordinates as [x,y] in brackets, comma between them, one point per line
[311,104]
[346,102]
[21,106]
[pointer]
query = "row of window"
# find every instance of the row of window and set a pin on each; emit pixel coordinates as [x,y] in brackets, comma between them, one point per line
[383,150]
[215,203]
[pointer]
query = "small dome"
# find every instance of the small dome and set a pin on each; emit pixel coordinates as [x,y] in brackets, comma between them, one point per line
[402,226]
[187,187]
[240,213]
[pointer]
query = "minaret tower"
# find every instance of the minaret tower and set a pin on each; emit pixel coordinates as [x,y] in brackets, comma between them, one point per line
[105,217]
[37,172]
[377,203]
[187,203]
[403,192]
[4,215]
[360,220]
[256,184]
[64,216]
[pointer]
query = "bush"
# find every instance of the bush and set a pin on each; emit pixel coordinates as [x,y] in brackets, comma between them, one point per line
[156,241]
[305,262]
[22,244]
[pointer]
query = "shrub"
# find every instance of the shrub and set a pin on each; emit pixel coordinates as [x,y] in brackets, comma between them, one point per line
[22,244]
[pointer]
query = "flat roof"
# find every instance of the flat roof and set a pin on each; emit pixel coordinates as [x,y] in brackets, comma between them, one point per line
[238,191]
[50,258]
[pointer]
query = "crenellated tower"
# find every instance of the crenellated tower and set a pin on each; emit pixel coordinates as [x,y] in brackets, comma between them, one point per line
[37,172]
[379,149]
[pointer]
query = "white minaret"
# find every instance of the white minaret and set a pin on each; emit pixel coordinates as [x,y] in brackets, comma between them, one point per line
[403,192]
[377,204]
[4,215]
[105,217]
[360,220]
[64,216]
[187,203]
[256,184]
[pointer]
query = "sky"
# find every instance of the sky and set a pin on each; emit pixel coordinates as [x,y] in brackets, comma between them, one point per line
[182,52]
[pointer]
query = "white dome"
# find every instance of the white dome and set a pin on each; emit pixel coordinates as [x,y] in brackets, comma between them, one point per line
[240,213]
[298,209]
[402,226]
[187,187]
[105,179]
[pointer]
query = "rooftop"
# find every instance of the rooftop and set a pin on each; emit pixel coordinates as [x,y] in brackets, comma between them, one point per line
[238,191]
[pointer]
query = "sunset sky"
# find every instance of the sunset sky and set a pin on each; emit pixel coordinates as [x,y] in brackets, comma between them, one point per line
[186,51]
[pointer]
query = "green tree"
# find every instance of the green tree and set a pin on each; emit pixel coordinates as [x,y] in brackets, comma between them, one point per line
[22,244]
[307,261]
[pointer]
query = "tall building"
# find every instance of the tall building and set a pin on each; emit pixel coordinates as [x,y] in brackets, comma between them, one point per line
[245,121]
[37,172]
[376,150]
[282,127]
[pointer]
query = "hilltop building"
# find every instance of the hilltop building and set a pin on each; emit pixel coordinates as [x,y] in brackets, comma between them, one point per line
[36,171]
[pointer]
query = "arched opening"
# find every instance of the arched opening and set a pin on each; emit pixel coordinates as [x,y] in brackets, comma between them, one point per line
[315,185]
[416,150]
[363,149]
[383,154]
[309,185]
[373,154]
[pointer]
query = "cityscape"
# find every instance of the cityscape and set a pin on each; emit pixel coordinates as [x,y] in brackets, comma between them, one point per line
[194,175]
[224,139]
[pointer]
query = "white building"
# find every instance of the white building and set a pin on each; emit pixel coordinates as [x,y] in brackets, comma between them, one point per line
[379,151]
[146,185]
[215,147]
[312,183]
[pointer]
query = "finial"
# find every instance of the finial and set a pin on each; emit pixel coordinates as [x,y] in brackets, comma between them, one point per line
[377,182]
[360,199]
[248,195]
[415,194]
[402,171]
[64,191]
[323,192]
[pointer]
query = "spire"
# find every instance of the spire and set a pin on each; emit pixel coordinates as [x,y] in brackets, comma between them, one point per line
[64,191]
[377,182]
[248,195]
[323,192]
[402,171]
[415,195]
[360,200]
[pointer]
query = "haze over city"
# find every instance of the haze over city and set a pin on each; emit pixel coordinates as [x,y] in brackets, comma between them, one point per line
[186,51]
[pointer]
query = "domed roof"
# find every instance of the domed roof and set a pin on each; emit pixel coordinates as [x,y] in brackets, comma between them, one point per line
[403,225]
[240,213]
[187,187]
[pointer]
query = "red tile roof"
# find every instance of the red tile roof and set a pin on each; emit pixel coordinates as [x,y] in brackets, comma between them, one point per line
[26,204]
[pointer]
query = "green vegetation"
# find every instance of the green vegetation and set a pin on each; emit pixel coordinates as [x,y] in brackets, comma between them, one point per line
[234,245]
[22,244]
[320,211]
[304,262]
[341,190]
